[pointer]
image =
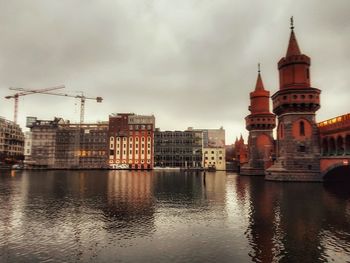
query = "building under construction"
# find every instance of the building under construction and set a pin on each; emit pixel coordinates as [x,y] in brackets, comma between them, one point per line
[82,146]
[11,142]
[59,144]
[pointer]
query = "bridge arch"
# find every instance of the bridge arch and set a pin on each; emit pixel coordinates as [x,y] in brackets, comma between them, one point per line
[337,172]
[324,148]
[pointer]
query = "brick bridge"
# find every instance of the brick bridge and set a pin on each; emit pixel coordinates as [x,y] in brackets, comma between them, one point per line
[335,148]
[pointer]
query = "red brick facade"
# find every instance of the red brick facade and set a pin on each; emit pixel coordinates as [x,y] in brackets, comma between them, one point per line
[260,124]
[131,141]
[295,104]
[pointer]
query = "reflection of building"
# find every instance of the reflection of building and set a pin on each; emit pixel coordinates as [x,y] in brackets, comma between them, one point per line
[178,148]
[81,146]
[259,123]
[11,141]
[131,141]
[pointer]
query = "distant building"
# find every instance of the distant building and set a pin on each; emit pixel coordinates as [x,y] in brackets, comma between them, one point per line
[43,146]
[214,158]
[11,142]
[181,149]
[240,153]
[213,148]
[230,156]
[131,141]
[214,138]
[27,145]
[83,146]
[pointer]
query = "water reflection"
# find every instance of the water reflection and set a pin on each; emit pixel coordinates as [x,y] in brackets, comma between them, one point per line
[105,216]
[296,222]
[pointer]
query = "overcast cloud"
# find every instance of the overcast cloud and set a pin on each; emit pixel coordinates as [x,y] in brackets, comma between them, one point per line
[188,62]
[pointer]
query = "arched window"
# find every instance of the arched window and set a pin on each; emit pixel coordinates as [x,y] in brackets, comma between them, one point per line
[347,144]
[302,128]
[325,147]
[340,146]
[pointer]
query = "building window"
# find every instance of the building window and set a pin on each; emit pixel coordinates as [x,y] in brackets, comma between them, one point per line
[302,128]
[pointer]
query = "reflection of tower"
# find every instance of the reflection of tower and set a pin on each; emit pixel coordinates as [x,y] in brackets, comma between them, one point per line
[259,123]
[263,220]
[295,104]
[283,227]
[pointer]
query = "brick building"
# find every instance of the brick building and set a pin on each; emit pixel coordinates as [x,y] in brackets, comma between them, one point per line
[295,104]
[260,123]
[131,141]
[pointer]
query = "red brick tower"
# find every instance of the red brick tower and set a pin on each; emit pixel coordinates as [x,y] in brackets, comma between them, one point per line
[260,124]
[295,104]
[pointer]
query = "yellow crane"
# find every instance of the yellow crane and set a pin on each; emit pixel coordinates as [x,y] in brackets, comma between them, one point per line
[24,92]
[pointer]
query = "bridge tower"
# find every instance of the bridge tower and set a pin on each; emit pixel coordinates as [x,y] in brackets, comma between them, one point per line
[295,104]
[260,123]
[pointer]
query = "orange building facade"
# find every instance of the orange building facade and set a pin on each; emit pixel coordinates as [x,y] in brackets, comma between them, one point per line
[131,141]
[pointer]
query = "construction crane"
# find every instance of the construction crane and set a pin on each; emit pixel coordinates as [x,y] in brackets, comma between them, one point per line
[27,92]
[81,97]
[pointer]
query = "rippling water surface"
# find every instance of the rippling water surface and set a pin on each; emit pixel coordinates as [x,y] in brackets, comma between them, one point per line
[124,216]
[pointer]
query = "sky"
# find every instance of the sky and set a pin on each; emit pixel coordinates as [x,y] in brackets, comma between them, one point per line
[191,63]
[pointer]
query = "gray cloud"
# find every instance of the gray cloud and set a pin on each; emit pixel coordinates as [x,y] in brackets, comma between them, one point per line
[188,62]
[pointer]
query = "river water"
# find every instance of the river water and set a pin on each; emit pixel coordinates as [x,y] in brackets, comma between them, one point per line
[139,216]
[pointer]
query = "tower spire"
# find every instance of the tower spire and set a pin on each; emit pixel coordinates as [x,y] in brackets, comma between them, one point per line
[291,23]
[293,47]
[259,84]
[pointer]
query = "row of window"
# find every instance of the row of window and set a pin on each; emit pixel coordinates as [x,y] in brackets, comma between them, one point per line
[212,158]
[130,139]
[118,152]
[212,152]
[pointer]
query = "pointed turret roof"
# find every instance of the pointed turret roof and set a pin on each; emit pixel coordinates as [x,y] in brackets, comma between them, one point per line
[259,83]
[293,47]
